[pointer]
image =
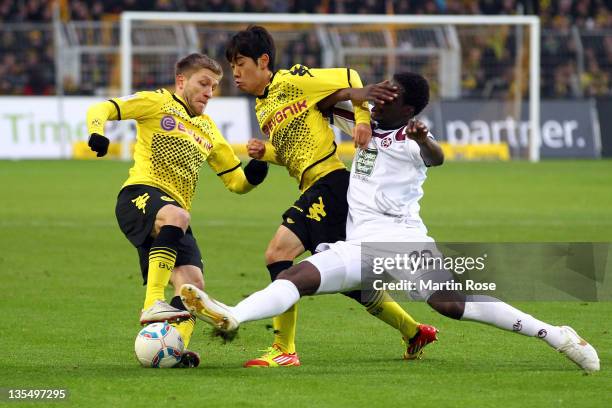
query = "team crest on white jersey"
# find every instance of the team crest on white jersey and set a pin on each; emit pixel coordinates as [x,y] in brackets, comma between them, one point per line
[386,142]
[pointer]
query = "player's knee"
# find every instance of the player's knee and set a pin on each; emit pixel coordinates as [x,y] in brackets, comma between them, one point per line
[448,309]
[302,286]
[304,276]
[183,218]
[287,274]
[173,215]
[447,303]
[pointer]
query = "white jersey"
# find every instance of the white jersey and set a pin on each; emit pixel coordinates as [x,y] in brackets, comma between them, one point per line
[385,186]
[383,197]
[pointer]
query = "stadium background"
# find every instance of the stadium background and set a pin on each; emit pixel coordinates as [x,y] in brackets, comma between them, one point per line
[70,283]
[75,51]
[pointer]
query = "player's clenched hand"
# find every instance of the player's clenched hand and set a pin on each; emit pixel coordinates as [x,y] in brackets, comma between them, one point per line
[380,93]
[256,148]
[98,144]
[362,133]
[416,130]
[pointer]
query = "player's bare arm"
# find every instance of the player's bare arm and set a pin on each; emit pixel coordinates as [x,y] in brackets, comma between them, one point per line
[431,152]
[362,135]
[376,93]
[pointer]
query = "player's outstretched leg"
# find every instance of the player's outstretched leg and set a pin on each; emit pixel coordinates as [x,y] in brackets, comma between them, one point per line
[208,309]
[180,275]
[282,249]
[283,352]
[162,258]
[277,297]
[578,350]
[171,222]
[185,327]
[492,311]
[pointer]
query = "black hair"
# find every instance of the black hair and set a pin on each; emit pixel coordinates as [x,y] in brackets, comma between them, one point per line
[415,90]
[253,43]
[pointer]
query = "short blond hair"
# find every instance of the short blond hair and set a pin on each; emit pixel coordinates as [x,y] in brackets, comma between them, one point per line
[195,62]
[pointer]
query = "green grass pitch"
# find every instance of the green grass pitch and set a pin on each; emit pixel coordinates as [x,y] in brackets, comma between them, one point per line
[71,294]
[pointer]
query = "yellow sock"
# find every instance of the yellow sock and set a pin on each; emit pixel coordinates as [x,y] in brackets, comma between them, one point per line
[386,309]
[161,263]
[185,328]
[284,330]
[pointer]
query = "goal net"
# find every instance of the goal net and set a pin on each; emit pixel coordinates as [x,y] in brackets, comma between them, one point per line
[484,71]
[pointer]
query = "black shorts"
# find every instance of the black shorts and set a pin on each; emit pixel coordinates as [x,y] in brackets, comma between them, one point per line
[319,215]
[136,209]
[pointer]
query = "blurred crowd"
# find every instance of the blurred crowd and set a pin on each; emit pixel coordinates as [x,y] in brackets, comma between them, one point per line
[569,68]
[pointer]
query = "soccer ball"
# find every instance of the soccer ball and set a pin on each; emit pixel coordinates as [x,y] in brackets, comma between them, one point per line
[159,345]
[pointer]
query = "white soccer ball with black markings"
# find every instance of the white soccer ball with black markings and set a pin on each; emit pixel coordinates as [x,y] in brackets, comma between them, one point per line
[159,345]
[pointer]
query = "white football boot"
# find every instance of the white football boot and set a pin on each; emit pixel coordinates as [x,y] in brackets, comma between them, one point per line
[579,351]
[163,312]
[208,309]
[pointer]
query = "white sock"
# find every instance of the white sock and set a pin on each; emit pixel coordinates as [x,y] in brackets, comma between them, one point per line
[275,299]
[486,309]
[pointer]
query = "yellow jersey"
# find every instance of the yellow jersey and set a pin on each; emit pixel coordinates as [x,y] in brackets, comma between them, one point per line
[300,138]
[171,144]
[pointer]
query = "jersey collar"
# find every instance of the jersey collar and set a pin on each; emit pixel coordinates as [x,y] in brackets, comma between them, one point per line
[183,104]
[265,94]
